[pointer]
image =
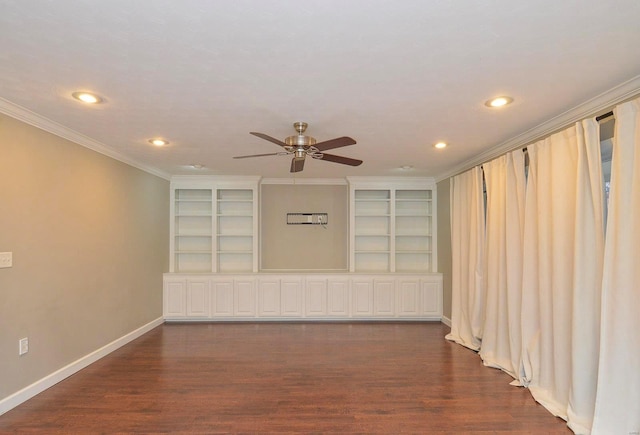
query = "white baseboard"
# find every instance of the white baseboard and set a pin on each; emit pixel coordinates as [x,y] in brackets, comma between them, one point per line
[39,386]
[446,321]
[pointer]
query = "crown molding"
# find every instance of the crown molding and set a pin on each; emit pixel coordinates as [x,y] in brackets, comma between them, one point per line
[25,115]
[596,106]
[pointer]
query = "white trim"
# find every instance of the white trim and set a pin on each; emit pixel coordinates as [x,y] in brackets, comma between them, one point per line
[596,106]
[446,321]
[39,386]
[214,181]
[38,121]
[309,319]
[318,181]
[309,271]
[396,182]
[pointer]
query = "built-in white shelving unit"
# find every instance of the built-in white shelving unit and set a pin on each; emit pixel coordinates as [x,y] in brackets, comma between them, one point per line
[214,256]
[413,232]
[192,219]
[372,230]
[392,225]
[235,230]
[214,224]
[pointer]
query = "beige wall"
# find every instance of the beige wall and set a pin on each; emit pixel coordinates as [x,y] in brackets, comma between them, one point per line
[89,237]
[304,247]
[444,243]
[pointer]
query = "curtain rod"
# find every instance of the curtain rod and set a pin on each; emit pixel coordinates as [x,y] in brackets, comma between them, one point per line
[604,116]
[524,149]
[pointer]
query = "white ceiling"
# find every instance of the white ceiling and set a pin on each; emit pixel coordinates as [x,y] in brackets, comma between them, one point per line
[397,76]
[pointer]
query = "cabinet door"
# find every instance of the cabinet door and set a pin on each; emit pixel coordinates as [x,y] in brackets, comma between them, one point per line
[383,297]
[316,297]
[175,303]
[198,298]
[432,299]
[244,298]
[409,297]
[338,297]
[291,297]
[268,297]
[222,298]
[362,291]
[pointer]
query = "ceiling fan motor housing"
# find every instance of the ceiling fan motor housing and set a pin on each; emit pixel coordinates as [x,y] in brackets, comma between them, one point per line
[300,141]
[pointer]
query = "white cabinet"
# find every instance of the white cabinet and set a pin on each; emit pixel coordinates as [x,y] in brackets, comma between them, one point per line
[362,295]
[410,298]
[316,297]
[174,300]
[432,298]
[338,292]
[269,297]
[244,297]
[392,225]
[198,297]
[384,297]
[291,297]
[214,224]
[280,297]
[222,297]
[300,296]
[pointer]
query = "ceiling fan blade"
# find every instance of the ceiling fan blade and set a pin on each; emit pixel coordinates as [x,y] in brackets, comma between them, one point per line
[340,159]
[335,143]
[297,164]
[260,155]
[269,138]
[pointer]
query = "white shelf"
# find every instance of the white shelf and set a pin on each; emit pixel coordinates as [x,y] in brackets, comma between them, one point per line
[392,228]
[192,227]
[235,230]
[213,225]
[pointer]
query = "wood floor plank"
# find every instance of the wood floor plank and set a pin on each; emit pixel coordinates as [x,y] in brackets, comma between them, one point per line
[286,378]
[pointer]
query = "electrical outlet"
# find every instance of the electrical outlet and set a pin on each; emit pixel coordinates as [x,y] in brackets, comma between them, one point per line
[23,346]
[6,259]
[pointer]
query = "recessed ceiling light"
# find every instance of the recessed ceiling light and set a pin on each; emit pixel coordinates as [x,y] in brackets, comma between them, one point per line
[498,101]
[406,167]
[197,166]
[87,97]
[440,145]
[158,142]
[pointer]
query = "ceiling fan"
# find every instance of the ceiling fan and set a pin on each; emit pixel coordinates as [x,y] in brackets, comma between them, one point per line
[300,146]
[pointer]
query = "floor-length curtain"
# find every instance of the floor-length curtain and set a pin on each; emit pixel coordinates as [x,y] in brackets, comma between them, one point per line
[505,186]
[467,246]
[587,276]
[563,217]
[617,409]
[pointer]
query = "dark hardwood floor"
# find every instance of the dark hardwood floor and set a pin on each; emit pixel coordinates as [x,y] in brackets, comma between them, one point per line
[287,377]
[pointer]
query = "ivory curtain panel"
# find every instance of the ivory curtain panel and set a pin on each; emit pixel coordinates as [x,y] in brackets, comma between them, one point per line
[563,250]
[467,246]
[617,408]
[505,185]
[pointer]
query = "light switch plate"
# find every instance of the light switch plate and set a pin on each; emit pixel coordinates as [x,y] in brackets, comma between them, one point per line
[23,346]
[6,259]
